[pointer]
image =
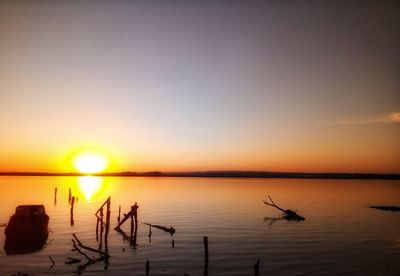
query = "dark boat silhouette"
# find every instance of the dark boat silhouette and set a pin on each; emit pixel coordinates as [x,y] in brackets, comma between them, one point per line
[27,230]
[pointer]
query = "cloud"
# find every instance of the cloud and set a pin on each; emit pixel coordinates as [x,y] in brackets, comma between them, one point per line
[389,118]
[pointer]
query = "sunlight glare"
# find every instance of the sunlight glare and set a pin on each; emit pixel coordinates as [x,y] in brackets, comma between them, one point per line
[90,163]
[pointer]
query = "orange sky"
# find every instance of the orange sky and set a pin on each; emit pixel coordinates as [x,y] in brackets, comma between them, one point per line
[198,86]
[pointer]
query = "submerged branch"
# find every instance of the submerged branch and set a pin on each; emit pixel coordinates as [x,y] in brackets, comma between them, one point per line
[287,214]
[170,230]
[103,254]
[386,208]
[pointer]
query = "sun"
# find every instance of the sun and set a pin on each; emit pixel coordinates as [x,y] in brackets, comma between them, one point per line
[89,162]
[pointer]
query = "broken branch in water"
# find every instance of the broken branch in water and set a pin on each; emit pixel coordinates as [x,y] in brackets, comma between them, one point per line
[52,261]
[78,246]
[170,230]
[287,214]
[102,254]
[386,208]
[80,251]
[72,261]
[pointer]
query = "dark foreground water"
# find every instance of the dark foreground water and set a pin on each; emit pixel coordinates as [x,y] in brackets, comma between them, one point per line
[340,236]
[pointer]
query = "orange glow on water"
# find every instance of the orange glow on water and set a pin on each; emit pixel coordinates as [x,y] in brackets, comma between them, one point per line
[90,185]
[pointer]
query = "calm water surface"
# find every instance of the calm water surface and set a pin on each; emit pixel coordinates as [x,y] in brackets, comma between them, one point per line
[340,236]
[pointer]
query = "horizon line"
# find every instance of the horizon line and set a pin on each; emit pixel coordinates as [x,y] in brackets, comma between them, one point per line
[218,173]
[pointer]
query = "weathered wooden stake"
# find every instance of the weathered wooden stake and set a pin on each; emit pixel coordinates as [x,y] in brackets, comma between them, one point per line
[119,214]
[136,221]
[131,224]
[55,196]
[69,195]
[107,224]
[97,229]
[150,233]
[205,240]
[147,267]
[101,228]
[257,268]
[72,210]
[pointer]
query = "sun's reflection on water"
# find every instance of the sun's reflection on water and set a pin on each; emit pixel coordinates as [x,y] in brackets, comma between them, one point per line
[90,186]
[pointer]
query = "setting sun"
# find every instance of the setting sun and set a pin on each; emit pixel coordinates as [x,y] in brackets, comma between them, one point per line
[90,162]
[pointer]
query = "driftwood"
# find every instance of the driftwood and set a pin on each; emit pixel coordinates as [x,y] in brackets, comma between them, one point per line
[52,261]
[287,214]
[170,230]
[79,243]
[72,261]
[78,246]
[386,208]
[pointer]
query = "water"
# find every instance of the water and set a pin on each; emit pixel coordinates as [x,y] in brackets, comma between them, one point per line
[339,236]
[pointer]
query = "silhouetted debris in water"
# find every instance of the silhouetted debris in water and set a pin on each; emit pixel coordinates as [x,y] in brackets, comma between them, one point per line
[100,223]
[70,261]
[134,224]
[205,241]
[287,214]
[147,267]
[79,243]
[52,261]
[170,230]
[257,268]
[386,208]
[72,211]
[78,246]
[150,233]
[119,214]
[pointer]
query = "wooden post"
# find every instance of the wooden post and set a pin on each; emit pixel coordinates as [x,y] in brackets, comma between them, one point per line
[205,240]
[136,223]
[131,224]
[55,196]
[257,268]
[72,210]
[69,195]
[119,214]
[135,214]
[101,229]
[147,267]
[150,233]
[97,229]
[107,224]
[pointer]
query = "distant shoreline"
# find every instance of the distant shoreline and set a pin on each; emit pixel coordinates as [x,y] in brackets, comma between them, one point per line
[219,174]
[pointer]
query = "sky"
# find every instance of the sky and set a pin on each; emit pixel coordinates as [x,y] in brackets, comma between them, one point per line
[310,86]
